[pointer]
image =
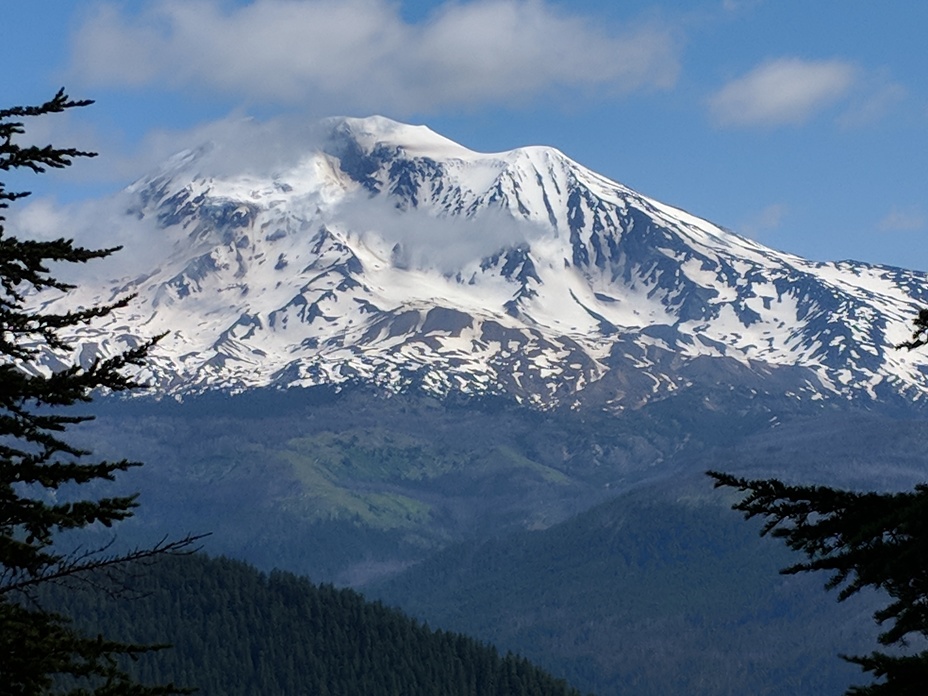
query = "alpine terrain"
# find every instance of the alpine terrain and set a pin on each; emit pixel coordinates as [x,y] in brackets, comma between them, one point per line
[385,254]
[520,371]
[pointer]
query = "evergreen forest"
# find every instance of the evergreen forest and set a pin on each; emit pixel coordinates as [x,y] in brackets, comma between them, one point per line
[237,631]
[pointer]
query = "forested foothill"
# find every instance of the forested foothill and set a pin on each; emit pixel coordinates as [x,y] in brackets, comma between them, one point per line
[238,632]
[662,590]
[489,493]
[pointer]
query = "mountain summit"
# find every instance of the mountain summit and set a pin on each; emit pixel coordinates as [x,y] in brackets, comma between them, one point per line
[387,254]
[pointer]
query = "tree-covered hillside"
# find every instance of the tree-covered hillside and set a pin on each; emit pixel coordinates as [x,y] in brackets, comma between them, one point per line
[238,631]
[660,591]
[356,487]
[348,486]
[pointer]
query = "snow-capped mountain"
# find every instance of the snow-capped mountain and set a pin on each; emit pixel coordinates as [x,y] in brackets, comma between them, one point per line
[385,253]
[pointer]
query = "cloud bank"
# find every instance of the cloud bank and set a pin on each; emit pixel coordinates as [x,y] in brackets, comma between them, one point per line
[788,91]
[95,224]
[242,149]
[423,241]
[363,55]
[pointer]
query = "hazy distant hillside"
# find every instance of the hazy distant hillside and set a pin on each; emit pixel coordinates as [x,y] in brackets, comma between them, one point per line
[663,591]
[437,500]
[348,486]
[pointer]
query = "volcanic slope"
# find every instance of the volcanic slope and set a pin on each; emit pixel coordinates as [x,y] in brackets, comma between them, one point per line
[382,253]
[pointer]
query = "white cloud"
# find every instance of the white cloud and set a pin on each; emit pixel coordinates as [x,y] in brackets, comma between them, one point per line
[235,147]
[95,224]
[424,241]
[739,5]
[873,104]
[765,220]
[243,145]
[787,91]
[903,220]
[362,55]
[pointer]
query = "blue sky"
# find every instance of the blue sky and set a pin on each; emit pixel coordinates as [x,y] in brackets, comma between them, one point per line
[802,125]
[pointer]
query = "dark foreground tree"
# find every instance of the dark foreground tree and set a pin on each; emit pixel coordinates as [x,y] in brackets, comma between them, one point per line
[43,478]
[876,540]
